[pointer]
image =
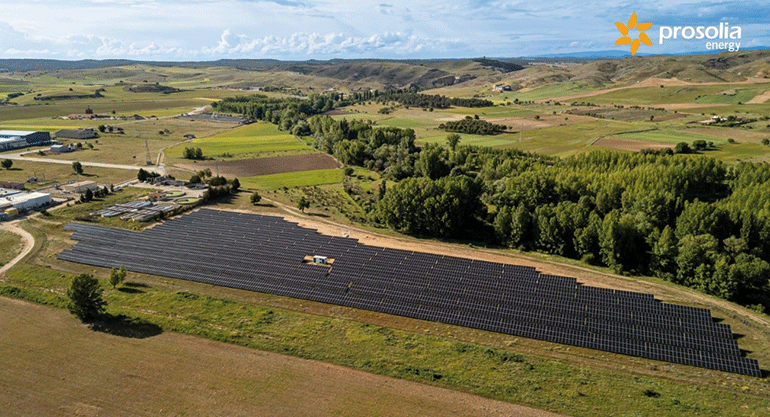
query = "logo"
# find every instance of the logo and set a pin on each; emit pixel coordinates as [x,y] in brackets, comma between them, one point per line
[625,30]
[728,37]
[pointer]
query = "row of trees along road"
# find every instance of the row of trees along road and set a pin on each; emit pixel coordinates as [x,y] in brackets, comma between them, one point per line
[688,219]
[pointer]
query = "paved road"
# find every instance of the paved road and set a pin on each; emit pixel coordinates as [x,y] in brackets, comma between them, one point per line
[20,157]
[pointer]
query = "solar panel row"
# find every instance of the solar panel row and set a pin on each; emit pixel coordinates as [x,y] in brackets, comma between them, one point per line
[265,253]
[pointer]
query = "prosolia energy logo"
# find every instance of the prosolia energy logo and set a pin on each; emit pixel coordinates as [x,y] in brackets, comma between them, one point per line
[722,37]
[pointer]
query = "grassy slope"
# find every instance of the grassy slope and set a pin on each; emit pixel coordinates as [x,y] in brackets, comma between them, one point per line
[11,244]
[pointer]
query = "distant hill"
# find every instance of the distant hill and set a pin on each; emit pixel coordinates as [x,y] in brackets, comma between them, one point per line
[356,74]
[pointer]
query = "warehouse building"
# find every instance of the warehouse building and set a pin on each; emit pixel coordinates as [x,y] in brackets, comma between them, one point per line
[76,134]
[32,138]
[23,201]
[13,142]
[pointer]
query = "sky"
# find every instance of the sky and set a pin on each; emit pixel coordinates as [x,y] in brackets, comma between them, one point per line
[204,30]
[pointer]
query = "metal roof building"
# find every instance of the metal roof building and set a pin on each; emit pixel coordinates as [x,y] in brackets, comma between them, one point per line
[32,138]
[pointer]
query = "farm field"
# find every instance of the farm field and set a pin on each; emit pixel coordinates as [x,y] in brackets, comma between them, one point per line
[251,141]
[292,179]
[545,92]
[267,166]
[669,136]
[75,373]
[629,144]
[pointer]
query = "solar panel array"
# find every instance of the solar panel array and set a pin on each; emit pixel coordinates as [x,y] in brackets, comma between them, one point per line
[265,254]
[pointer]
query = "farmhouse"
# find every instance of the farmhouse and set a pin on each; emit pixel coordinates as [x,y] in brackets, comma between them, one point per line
[502,87]
[31,138]
[76,133]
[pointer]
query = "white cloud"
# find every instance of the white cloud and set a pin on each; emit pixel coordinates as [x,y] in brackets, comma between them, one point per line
[328,45]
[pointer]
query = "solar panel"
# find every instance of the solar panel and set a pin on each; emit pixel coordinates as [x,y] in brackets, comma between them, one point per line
[266,254]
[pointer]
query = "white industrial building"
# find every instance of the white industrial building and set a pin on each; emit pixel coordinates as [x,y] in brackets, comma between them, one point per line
[13,142]
[29,137]
[22,200]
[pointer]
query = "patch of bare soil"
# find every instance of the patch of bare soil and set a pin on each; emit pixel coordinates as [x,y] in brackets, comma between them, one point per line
[51,365]
[760,99]
[266,166]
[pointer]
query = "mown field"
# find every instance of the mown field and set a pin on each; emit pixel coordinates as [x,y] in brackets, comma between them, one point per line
[251,141]
[292,179]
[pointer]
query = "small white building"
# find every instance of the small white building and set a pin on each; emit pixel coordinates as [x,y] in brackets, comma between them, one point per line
[62,148]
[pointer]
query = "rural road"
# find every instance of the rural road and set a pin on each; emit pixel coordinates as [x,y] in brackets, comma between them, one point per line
[20,157]
[29,243]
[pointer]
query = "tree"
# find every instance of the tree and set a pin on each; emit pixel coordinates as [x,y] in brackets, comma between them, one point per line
[85,294]
[452,140]
[87,196]
[255,198]
[77,167]
[195,179]
[102,128]
[198,153]
[117,276]
[302,204]
[682,147]
[7,163]
[235,185]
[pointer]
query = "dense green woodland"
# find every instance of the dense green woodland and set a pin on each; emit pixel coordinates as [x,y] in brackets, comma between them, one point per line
[689,219]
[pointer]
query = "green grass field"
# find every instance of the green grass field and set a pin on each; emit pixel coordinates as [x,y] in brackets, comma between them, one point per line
[258,139]
[732,96]
[292,179]
[546,91]
[50,173]
[11,244]
[657,95]
[499,140]
[670,136]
